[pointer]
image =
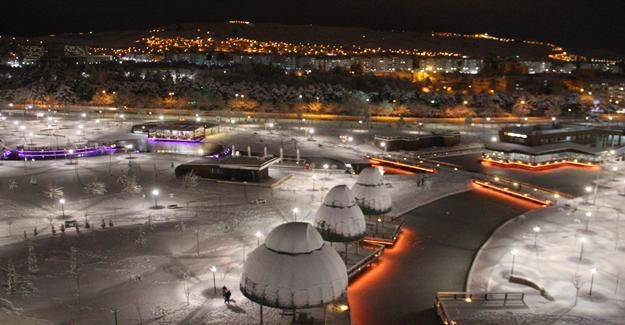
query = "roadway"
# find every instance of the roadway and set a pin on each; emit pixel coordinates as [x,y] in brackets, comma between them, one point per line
[434,253]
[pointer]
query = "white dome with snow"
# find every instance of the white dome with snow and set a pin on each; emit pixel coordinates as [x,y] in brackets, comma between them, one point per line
[371,194]
[293,269]
[339,219]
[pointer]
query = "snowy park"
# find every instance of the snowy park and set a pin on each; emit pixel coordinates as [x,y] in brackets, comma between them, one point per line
[117,237]
[567,259]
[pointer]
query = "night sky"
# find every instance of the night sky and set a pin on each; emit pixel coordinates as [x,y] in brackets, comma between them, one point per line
[578,24]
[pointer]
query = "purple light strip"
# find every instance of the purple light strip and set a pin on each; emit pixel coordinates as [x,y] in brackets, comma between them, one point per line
[91,151]
[175,140]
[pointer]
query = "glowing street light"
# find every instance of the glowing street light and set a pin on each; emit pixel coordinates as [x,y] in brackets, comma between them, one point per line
[214,270]
[155,193]
[295,212]
[588,215]
[62,203]
[514,252]
[593,271]
[588,190]
[383,145]
[536,231]
[258,235]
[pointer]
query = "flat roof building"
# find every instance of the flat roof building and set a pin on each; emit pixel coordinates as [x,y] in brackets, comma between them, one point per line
[231,168]
[416,142]
[176,131]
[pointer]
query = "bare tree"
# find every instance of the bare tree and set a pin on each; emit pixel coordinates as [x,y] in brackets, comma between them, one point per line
[32,259]
[53,192]
[190,180]
[11,278]
[187,287]
[95,188]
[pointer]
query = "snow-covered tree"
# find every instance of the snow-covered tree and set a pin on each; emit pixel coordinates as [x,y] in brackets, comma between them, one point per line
[129,184]
[73,261]
[190,180]
[32,259]
[11,278]
[95,188]
[13,185]
[53,192]
[141,240]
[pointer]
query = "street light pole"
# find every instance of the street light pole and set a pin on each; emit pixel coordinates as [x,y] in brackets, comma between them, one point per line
[536,231]
[581,249]
[62,202]
[513,252]
[258,235]
[214,269]
[588,215]
[155,193]
[592,279]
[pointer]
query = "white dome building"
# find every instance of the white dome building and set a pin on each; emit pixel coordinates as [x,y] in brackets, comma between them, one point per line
[339,219]
[293,269]
[371,194]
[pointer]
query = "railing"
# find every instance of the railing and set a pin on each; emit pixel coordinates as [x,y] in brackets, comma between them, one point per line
[382,239]
[365,262]
[468,297]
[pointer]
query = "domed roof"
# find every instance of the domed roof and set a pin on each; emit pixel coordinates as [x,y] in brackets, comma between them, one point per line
[294,238]
[293,280]
[370,177]
[371,194]
[339,219]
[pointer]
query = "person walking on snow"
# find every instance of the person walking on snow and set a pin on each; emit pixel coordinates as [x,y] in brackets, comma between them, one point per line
[227,297]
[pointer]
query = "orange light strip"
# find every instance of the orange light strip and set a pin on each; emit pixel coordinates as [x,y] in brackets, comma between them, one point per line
[391,170]
[537,166]
[372,240]
[505,190]
[424,169]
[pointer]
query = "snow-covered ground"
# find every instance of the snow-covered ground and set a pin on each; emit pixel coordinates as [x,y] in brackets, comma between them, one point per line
[553,258]
[142,265]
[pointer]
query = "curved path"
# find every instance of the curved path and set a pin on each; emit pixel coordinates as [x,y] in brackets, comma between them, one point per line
[433,254]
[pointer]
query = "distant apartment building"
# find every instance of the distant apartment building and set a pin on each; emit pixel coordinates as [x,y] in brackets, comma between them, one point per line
[451,65]
[607,67]
[30,53]
[391,64]
[566,68]
[537,67]
[140,57]
[196,58]
[612,92]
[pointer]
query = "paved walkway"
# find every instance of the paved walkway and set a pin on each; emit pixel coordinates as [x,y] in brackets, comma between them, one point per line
[433,254]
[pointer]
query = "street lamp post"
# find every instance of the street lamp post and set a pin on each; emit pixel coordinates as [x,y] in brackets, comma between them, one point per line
[214,270]
[513,252]
[129,149]
[581,248]
[155,193]
[592,279]
[588,190]
[295,211]
[62,202]
[258,235]
[588,215]
[536,231]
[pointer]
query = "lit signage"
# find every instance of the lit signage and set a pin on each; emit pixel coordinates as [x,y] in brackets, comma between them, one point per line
[515,135]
